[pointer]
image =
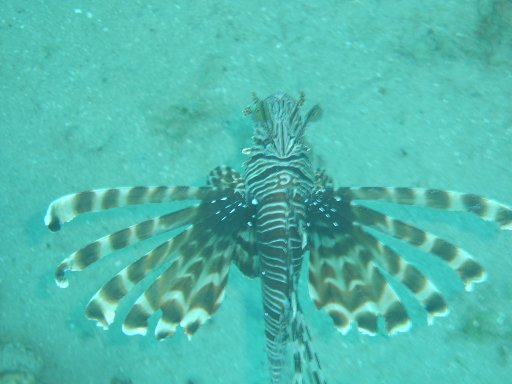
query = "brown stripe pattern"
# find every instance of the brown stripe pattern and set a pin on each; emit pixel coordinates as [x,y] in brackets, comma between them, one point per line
[279,180]
[485,208]
[350,268]
[189,269]
[68,207]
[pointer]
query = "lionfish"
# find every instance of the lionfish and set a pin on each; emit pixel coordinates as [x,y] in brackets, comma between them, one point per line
[265,223]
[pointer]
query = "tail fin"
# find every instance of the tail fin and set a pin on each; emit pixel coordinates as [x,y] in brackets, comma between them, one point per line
[307,369]
[291,355]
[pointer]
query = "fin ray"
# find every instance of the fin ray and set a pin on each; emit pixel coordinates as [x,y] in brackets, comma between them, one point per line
[92,252]
[485,208]
[67,207]
[458,259]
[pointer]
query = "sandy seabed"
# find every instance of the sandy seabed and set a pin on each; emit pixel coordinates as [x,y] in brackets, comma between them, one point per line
[98,94]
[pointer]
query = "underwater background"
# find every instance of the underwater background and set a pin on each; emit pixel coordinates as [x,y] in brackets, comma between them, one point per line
[99,94]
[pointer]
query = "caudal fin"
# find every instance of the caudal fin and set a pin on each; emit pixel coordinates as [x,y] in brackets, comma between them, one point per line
[307,369]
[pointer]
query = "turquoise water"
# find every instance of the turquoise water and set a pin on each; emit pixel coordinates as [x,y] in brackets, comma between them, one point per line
[96,95]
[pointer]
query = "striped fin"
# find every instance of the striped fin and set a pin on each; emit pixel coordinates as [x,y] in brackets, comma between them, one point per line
[104,303]
[345,281]
[307,367]
[346,261]
[223,200]
[191,287]
[344,254]
[205,298]
[485,208]
[424,290]
[68,207]
[458,259]
[99,248]
[189,291]
[245,256]
[223,177]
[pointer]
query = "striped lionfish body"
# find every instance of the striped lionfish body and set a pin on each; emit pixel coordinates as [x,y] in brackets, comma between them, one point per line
[279,181]
[266,223]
